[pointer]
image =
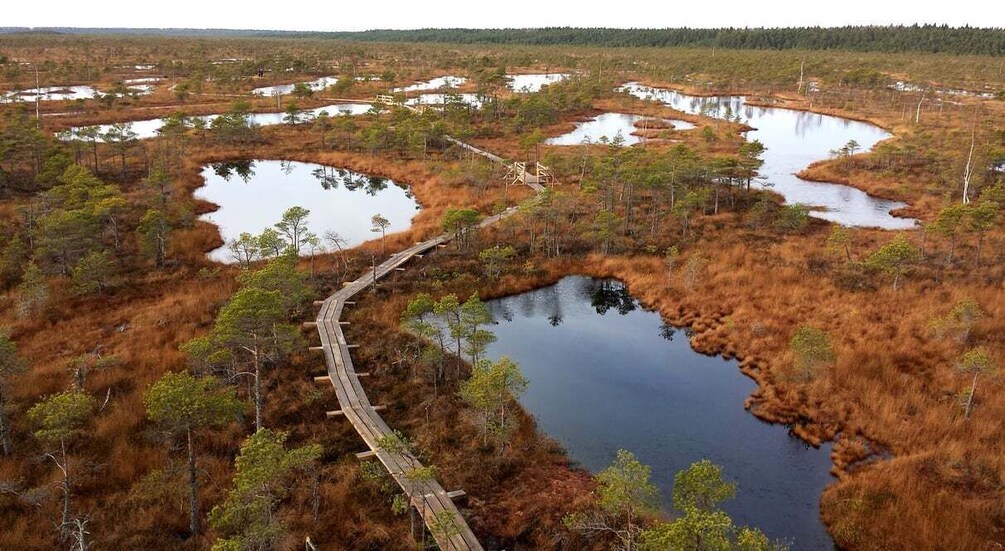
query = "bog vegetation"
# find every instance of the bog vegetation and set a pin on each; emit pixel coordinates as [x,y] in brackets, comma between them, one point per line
[152,397]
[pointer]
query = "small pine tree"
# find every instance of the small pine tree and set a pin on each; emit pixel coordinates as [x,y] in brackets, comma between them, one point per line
[813,352]
[93,273]
[33,291]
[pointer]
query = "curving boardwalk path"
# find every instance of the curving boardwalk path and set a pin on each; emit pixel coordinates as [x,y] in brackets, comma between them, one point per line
[430,499]
[473,149]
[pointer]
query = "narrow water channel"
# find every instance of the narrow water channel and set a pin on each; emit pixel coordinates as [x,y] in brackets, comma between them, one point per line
[605,374]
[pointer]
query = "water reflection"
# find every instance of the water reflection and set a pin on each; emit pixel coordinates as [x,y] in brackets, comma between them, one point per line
[317,85]
[253,194]
[605,374]
[607,127]
[444,99]
[146,129]
[607,294]
[245,170]
[528,83]
[433,84]
[667,332]
[68,93]
[807,123]
[794,140]
[331,177]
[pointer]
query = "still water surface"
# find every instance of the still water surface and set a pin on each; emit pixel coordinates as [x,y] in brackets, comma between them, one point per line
[253,195]
[533,83]
[433,84]
[441,99]
[149,128]
[316,85]
[609,125]
[794,140]
[67,93]
[606,374]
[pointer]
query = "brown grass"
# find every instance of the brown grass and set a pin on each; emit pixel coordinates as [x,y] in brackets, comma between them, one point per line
[893,387]
[890,394]
[144,319]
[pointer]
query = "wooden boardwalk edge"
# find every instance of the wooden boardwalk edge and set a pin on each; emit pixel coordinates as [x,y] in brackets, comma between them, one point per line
[430,498]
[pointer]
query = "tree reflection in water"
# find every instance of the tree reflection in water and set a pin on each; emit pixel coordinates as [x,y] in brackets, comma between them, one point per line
[332,178]
[243,169]
[329,177]
[607,294]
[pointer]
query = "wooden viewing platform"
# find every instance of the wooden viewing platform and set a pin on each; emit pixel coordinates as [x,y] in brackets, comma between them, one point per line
[517,172]
[429,498]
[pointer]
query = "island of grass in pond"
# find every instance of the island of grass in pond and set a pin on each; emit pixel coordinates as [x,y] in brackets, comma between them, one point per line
[252,196]
[793,140]
[607,375]
[607,127]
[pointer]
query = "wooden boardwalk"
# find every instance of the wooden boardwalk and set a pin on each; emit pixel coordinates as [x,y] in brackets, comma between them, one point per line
[517,171]
[473,149]
[430,499]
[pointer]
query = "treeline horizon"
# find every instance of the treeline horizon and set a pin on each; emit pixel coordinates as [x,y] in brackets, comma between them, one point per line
[927,38]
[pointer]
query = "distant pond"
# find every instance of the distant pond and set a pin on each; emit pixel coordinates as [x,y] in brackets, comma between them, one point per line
[150,128]
[793,140]
[609,125]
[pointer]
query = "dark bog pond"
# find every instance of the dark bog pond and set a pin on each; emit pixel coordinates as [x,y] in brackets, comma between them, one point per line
[606,374]
[253,195]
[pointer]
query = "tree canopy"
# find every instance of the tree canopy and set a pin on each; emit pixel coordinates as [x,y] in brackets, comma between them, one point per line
[914,38]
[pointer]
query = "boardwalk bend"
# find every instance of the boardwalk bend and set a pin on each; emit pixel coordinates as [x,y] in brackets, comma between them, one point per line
[430,499]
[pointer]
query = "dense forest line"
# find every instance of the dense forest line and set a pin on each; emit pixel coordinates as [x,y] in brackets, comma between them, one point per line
[915,38]
[928,38]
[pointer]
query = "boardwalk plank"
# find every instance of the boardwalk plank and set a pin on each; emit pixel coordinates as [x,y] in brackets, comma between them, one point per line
[431,499]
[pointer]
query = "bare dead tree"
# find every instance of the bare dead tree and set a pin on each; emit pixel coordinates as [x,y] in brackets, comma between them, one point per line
[968,171]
